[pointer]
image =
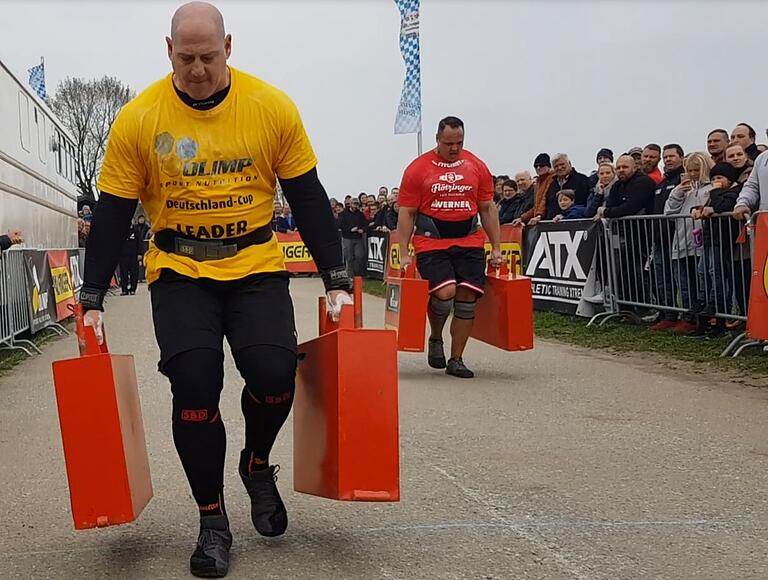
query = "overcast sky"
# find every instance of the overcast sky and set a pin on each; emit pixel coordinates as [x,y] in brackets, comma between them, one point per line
[525,77]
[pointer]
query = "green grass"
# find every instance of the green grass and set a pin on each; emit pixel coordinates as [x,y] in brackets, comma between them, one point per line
[10,358]
[620,337]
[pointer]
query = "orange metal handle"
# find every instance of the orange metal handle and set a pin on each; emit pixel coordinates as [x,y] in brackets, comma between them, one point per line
[357,299]
[86,336]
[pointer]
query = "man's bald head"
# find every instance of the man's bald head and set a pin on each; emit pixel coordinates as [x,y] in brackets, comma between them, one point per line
[199,48]
[626,167]
[195,14]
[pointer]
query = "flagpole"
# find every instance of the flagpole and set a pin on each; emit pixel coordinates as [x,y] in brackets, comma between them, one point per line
[418,141]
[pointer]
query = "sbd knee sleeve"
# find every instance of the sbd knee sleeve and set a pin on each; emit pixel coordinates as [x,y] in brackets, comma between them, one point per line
[440,308]
[197,377]
[464,310]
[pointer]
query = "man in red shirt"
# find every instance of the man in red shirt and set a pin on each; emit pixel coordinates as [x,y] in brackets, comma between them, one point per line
[442,194]
[649,162]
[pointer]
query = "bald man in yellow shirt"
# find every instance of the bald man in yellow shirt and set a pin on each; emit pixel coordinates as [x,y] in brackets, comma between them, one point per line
[202,149]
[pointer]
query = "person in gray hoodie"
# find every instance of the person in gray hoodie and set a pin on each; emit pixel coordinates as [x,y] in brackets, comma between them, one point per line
[687,239]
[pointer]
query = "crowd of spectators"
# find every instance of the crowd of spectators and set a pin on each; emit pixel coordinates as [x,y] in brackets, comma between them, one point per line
[689,264]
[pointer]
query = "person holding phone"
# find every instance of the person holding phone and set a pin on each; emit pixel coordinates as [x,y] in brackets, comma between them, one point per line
[692,192]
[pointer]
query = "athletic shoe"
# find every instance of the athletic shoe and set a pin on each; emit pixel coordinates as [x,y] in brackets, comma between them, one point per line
[436,354]
[456,368]
[663,325]
[267,509]
[211,556]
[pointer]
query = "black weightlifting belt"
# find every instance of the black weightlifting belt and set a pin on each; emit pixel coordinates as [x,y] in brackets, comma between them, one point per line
[440,229]
[204,250]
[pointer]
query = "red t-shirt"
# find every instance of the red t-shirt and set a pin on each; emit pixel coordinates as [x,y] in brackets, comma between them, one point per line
[656,176]
[448,192]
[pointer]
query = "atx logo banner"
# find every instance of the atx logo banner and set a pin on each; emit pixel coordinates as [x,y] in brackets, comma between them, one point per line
[557,254]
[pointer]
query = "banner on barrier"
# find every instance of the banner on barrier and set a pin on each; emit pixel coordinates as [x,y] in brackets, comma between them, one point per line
[511,245]
[42,305]
[61,280]
[377,255]
[561,260]
[757,314]
[295,253]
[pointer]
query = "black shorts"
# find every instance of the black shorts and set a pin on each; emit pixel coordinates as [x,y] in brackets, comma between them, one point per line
[460,266]
[193,313]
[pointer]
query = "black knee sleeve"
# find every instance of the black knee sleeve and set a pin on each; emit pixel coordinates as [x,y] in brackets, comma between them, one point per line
[197,377]
[270,383]
[464,310]
[440,308]
[269,373]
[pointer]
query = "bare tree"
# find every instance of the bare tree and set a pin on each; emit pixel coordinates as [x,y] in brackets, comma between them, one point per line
[88,108]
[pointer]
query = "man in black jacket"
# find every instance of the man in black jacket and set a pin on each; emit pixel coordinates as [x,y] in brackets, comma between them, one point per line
[129,261]
[631,195]
[566,177]
[353,225]
[664,281]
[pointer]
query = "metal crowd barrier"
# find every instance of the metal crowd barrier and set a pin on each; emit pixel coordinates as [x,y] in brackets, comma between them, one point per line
[681,267]
[14,303]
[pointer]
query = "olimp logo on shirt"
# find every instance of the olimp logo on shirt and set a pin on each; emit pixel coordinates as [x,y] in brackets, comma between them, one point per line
[180,160]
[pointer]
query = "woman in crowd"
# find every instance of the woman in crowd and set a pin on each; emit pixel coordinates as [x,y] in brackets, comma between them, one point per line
[736,156]
[687,239]
[606,177]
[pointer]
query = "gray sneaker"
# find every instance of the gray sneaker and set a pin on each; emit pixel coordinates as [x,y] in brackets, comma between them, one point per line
[211,556]
[456,368]
[436,354]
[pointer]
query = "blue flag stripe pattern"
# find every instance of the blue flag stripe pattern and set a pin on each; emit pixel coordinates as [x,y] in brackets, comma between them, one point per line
[37,80]
[408,118]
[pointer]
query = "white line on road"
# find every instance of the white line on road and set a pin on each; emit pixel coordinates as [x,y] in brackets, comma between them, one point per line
[529,534]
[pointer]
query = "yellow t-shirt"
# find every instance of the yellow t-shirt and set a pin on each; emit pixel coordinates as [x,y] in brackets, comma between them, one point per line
[208,174]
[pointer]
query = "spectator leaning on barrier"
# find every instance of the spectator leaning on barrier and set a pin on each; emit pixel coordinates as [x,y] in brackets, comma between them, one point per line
[526,187]
[650,162]
[632,194]
[512,204]
[568,209]
[717,141]
[736,156]
[10,239]
[664,282]
[606,178]
[745,136]
[754,194]
[715,267]
[566,178]
[353,225]
[544,178]
[692,192]
[603,156]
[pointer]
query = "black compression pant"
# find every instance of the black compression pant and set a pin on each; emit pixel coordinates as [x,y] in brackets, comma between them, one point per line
[197,379]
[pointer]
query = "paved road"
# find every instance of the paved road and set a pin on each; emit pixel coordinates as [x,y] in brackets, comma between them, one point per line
[551,464]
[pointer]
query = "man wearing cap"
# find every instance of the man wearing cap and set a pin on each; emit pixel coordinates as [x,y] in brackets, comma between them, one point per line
[544,177]
[603,156]
[202,149]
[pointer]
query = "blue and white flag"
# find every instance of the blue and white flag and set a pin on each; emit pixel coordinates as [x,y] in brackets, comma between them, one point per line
[37,80]
[409,112]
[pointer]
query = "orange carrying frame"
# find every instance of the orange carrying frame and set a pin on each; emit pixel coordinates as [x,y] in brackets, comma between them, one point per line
[504,315]
[405,309]
[345,414]
[102,433]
